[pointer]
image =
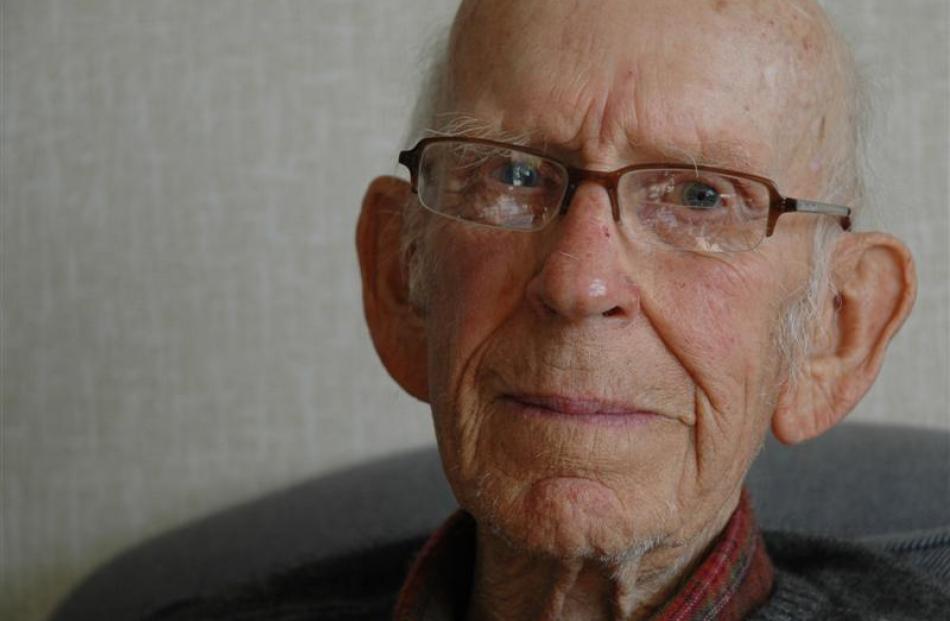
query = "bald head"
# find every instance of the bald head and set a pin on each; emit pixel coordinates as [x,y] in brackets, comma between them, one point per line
[652,74]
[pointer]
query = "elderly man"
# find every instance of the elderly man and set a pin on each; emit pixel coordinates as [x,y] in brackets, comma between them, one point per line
[607,305]
[623,256]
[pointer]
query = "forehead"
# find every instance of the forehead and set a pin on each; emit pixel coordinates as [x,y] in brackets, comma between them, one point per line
[716,82]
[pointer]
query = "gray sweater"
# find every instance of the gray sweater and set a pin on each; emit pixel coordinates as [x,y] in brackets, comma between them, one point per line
[897,579]
[902,578]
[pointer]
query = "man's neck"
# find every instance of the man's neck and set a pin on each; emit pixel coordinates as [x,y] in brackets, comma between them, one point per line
[512,585]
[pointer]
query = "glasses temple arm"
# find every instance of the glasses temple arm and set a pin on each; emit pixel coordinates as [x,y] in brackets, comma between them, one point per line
[828,209]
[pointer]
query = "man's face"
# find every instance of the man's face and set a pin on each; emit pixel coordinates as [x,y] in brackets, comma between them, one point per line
[589,388]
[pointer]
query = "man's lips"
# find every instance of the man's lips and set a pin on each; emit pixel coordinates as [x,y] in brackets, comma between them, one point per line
[596,411]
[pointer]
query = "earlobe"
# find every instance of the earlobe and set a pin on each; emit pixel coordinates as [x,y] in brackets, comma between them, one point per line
[394,324]
[875,287]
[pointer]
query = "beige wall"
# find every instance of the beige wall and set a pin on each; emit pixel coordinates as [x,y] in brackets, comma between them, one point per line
[181,320]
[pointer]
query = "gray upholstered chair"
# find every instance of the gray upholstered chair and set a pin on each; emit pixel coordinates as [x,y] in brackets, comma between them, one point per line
[874,483]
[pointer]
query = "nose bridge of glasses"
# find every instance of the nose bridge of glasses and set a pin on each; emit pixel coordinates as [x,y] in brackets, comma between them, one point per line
[607,180]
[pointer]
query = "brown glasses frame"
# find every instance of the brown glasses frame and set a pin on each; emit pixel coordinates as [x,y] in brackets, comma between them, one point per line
[778,204]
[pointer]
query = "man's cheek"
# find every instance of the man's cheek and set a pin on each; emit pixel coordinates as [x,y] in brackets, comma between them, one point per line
[476,268]
[712,321]
[473,293]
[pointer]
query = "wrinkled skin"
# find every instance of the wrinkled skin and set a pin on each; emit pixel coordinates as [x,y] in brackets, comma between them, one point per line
[659,369]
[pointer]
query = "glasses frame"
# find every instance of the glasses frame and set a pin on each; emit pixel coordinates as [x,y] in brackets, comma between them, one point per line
[778,204]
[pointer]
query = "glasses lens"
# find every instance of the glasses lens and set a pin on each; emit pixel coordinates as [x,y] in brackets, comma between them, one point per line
[490,185]
[694,209]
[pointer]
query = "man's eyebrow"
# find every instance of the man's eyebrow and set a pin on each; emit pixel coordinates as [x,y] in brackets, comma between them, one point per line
[455,124]
[728,154]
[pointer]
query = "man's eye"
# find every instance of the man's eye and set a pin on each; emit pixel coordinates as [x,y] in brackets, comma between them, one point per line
[700,196]
[518,174]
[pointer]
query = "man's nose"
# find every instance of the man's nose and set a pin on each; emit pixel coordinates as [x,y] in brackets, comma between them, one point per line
[583,272]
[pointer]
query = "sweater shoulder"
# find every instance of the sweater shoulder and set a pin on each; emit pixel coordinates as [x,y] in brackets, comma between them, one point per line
[823,578]
[361,585]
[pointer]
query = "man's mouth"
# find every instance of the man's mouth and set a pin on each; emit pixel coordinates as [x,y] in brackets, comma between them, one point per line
[578,409]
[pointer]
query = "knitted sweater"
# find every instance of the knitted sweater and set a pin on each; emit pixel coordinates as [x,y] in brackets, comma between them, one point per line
[823,579]
[901,579]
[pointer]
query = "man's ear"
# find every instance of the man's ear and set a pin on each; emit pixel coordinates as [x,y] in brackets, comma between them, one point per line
[394,324]
[873,274]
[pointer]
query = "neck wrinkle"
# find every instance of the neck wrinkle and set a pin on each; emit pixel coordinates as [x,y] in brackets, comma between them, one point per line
[511,585]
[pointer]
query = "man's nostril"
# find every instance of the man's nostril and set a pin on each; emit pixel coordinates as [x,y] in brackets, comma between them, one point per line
[616,310]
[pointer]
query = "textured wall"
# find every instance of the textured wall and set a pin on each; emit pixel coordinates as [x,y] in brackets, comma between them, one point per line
[180,304]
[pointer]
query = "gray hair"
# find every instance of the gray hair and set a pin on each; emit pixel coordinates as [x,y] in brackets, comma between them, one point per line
[845,184]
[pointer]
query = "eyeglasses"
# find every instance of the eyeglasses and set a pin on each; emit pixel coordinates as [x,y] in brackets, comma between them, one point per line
[521,189]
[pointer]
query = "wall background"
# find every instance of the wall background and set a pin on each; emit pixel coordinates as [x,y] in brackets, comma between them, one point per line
[181,325]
